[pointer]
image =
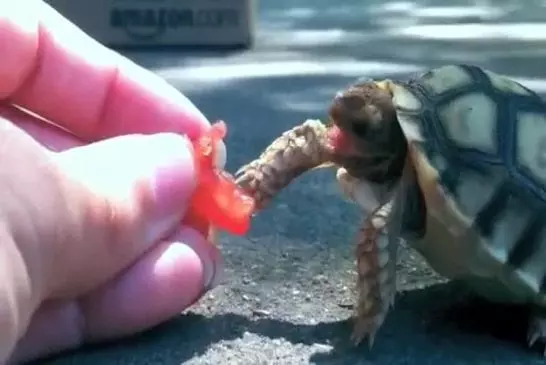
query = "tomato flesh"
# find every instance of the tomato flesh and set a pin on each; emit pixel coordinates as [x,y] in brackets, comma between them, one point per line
[217,200]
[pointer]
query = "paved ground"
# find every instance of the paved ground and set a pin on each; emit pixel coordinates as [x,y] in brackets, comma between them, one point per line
[289,281]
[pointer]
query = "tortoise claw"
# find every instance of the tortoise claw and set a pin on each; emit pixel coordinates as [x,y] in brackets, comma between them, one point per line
[536,333]
[361,331]
[532,338]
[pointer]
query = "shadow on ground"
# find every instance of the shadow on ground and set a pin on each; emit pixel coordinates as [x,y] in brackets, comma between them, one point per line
[423,328]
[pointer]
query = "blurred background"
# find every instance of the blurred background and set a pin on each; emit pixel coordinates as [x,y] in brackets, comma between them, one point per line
[289,284]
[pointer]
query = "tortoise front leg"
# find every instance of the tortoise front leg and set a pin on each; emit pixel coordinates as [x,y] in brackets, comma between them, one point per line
[296,151]
[376,255]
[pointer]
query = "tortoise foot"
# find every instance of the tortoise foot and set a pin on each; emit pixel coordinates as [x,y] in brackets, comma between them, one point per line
[364,328]
[536,333]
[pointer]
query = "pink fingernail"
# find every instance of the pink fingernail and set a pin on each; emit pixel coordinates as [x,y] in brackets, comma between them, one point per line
[211,258]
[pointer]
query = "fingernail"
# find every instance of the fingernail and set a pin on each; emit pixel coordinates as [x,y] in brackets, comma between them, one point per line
[211,258]
[173,182]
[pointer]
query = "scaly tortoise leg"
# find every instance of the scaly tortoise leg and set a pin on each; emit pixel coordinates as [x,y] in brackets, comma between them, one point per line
[376,255]
[296,151]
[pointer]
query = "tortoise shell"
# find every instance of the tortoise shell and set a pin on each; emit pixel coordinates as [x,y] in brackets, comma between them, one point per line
[477,143]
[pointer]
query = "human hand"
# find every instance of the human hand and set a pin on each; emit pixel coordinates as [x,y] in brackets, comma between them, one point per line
[91,243]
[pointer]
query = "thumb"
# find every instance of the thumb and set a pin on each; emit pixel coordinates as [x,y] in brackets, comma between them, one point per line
[125,194]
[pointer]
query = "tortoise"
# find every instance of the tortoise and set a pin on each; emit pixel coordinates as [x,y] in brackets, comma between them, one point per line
[452,161]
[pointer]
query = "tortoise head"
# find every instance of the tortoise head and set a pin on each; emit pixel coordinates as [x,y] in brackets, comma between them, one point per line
[364,135]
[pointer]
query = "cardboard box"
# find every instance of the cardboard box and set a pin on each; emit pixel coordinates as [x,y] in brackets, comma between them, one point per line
[172,23]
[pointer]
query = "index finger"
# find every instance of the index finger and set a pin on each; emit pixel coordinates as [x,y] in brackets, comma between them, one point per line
[52,68]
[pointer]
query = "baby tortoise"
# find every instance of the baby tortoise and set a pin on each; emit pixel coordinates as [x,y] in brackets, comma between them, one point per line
[453,162]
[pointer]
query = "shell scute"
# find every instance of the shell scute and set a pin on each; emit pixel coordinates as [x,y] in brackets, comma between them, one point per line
[504,84]
[445,78]
[405,101]
[470,122]
[503,227]
[474,190]
[530,146]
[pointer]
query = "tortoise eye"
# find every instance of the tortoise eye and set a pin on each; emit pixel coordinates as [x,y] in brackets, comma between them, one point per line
[361,130]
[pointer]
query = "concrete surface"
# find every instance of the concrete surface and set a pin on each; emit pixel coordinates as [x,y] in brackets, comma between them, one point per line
[289,282]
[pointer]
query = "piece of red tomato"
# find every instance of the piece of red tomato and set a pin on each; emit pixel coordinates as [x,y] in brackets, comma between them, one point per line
[217,200]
